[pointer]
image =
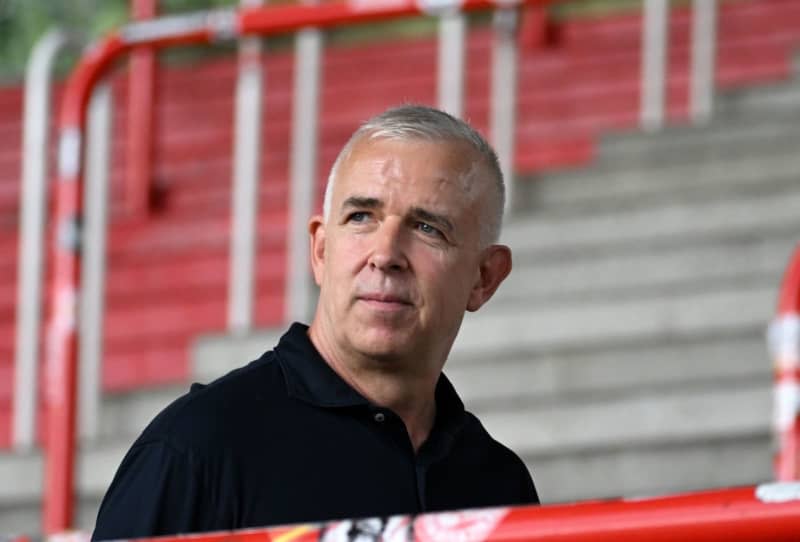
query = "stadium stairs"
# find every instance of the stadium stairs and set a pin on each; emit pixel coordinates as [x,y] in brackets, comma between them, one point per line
[625,355]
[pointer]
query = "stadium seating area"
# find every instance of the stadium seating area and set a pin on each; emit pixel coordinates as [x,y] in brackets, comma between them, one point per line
[612,249]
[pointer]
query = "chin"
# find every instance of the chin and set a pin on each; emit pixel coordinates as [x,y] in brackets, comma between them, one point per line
[383,344]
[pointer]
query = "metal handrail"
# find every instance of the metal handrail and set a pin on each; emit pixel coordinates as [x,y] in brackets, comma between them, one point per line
[655,40]
[92,299]
[503,113]
[451,63]
[704,53]
[655,49]
[303,158]
[38,87]
[246,174]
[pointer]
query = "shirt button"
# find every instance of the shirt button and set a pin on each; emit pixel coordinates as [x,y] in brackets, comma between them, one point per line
[379,416]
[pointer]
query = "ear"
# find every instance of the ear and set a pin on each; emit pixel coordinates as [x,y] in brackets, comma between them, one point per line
[316,230]
[495,265]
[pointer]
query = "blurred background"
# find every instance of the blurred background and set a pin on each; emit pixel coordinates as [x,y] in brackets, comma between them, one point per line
[652,152]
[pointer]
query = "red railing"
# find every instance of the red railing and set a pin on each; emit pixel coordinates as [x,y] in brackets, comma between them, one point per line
[769,512]
[61,357]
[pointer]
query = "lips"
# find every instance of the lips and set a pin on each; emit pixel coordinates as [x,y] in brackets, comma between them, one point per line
[388,299]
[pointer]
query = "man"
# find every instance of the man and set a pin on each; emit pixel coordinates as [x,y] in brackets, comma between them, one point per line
[352,416]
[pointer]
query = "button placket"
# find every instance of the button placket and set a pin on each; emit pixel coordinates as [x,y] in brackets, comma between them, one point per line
[379,417]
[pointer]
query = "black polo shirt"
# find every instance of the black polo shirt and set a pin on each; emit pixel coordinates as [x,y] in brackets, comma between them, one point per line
[286,440]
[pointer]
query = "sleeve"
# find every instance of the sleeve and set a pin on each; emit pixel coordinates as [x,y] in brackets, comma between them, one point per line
[157,490]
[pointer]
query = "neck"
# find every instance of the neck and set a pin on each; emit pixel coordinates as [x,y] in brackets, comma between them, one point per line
[410,396]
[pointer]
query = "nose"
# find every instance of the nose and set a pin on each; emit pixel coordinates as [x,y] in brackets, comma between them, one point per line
[388,252]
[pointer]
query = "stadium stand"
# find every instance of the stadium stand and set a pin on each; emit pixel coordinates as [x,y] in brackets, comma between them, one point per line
[627,352]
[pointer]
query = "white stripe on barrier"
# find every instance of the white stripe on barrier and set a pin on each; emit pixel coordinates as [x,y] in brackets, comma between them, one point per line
[787,404]
[69,152]
[778,492]
[64,322]
[783,337]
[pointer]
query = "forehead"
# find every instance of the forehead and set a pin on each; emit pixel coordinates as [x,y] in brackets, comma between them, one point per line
[414,167]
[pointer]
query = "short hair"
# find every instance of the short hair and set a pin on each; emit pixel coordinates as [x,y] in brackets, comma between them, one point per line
[419,122]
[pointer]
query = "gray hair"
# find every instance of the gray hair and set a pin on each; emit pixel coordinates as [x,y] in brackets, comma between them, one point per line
[409,122]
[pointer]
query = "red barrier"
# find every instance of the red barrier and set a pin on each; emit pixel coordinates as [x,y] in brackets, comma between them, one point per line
[770,512]
[61,357]
[784,338]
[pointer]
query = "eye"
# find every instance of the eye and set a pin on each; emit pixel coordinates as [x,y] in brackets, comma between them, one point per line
[358,217]
[427,229]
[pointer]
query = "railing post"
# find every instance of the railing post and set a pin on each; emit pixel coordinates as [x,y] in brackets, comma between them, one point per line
[246,175]
[452,43]
[92,303]
[504,95]
[31,262]
[784,344]
[704,40]
[303,171]
[141,118]
[655,26]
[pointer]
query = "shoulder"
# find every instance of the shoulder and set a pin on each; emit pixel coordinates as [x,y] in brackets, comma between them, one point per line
[182,462]
[220,409]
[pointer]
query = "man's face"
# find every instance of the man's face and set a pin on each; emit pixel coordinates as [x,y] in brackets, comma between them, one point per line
[398,259]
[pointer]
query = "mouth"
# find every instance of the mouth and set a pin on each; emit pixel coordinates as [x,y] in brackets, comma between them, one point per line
[385,302]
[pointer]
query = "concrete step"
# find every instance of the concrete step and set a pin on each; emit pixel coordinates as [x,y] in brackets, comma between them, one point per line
[499,331]
[703,174]
[25,518]
[770,99]
[784,96]
[723,136]
[215,355]
[657,469]
[634,270]
[634,417]
[504,382]
[21,490]
[772,207]
[123,416]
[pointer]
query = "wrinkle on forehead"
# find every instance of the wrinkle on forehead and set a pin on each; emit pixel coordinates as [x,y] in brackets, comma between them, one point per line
[466,176]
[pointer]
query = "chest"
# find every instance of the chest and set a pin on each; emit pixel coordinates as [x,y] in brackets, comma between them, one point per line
[321,465]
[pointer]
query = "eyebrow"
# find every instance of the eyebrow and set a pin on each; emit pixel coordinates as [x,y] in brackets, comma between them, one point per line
[362,203]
